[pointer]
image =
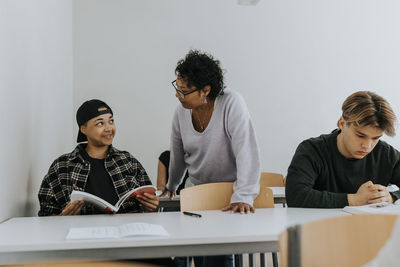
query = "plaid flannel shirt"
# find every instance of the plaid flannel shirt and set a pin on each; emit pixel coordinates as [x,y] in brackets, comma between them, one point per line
[70,172]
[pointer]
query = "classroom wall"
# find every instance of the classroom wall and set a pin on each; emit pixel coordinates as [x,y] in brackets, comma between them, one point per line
[36,97]
[294,62]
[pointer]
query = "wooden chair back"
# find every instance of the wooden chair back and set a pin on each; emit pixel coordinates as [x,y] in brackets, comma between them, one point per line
[340,241]
[215,196]
[212,196]
[270,179]
[265,198]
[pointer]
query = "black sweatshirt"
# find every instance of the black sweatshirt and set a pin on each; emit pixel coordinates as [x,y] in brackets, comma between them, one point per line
[319,176]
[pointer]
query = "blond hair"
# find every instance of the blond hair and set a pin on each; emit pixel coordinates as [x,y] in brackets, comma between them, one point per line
[365,108]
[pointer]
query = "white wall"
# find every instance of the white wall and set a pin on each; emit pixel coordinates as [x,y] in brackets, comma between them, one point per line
[36,97]
[293,61]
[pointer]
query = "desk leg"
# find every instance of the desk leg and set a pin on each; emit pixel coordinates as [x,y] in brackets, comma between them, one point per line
[251,260]
[262,260]
[275,259]
[239,260]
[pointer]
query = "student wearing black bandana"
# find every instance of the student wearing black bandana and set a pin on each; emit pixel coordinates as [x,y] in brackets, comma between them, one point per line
[96,167]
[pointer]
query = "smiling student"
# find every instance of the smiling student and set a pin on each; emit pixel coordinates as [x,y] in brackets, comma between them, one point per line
[351,165]
[95,167]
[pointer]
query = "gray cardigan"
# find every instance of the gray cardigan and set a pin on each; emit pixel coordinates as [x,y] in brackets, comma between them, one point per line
[226,151]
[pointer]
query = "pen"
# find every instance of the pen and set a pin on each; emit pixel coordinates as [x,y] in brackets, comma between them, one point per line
[192,214]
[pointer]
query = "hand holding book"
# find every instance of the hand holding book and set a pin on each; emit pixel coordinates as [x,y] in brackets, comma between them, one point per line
[72,208]
[144,194]
[150,202]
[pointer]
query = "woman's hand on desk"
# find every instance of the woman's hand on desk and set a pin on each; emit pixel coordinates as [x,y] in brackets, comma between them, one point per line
[168,193]
[73,208]
[241,207]
[150,202]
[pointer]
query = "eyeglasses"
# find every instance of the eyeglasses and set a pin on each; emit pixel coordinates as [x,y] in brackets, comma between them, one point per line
[181,94]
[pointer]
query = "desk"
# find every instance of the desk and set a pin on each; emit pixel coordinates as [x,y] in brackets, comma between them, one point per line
[279,195]
[217,233]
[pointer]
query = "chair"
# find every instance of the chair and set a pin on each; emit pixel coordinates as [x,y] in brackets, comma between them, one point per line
[340,241]
[272,179]
[215,196]
[269,179]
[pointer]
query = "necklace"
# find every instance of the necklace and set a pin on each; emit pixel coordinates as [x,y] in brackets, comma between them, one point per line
[202,122]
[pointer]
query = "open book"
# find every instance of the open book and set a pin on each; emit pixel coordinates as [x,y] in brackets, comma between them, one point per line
[104,205]
[125,230]
[379,208]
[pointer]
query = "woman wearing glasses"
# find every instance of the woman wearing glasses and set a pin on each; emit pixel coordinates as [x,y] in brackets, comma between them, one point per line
[212,137]
[212,134]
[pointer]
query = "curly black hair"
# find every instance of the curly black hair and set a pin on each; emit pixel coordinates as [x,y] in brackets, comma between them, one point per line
[201,69]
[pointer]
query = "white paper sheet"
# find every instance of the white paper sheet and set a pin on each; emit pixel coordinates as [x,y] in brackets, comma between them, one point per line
[125,230]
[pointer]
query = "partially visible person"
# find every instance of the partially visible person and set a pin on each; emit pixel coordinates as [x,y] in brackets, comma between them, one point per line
[351,165]
[162,179]
[163,172]
[212,133]
[95,167]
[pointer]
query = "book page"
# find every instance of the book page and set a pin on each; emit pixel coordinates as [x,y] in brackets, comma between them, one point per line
[142,229]
[151,189]
[95,200]
[125,230]
[379,208]
[93,233]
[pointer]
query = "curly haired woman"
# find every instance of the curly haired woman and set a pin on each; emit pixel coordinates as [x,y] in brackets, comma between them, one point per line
[212,134]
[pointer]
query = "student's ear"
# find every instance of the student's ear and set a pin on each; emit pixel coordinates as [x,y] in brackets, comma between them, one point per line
[83,129]
[341,123]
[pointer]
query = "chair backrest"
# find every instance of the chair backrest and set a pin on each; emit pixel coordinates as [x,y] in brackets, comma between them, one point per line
[215,196]
[271,179]
[265,198]
[342,241]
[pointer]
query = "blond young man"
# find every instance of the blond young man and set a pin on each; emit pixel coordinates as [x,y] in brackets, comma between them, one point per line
[351,165]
